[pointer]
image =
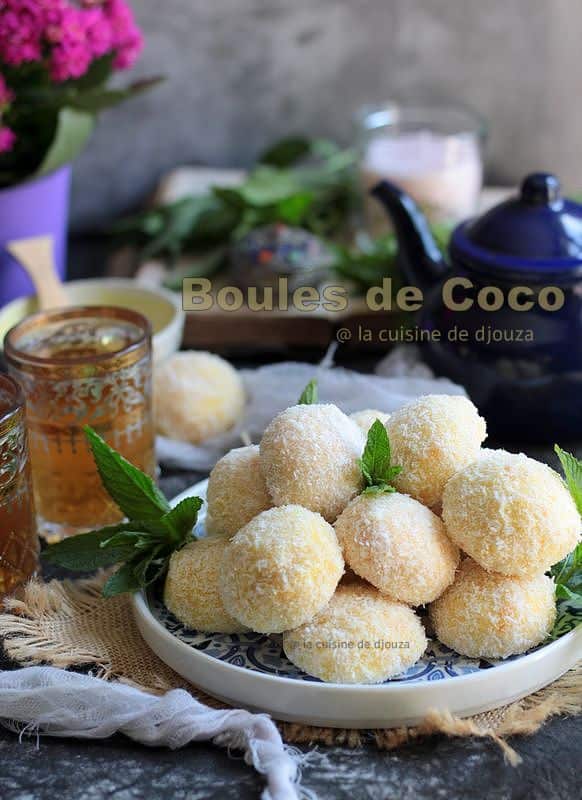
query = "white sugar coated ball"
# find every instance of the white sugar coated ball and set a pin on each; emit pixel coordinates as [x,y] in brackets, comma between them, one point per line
[367,417]
[485,615]
[236,491]
[309,457]
[431,439]
[359,637]
[197,395]
[191,591]
[281,569]
[398,545]
[511,514]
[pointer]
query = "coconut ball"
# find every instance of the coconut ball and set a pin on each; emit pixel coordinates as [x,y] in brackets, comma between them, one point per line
[280,569]
[366,418]
[398,545]
[431,439]
[191,591]
[359,637]
[511,514]
[236,491]
[309,456]
[196,396]
[484,615]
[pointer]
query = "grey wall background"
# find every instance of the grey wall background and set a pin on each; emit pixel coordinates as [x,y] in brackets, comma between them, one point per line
[243,72]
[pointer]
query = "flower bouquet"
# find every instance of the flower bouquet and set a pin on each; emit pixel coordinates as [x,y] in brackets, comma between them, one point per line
[56,59]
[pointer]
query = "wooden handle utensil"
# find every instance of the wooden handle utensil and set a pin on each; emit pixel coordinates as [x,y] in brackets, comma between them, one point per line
[36,256]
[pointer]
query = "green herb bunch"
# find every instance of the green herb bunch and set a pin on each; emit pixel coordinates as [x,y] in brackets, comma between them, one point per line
[298,181]
[376,461]
[568,573]
[142,546]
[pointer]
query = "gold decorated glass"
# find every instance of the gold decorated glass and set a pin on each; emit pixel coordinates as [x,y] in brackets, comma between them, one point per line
[86,365]
[18,535]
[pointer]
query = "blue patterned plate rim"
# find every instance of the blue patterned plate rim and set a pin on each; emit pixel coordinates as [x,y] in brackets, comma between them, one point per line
[248,649]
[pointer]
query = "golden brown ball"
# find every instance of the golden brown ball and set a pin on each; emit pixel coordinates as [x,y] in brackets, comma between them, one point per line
[359,637]
[485,615]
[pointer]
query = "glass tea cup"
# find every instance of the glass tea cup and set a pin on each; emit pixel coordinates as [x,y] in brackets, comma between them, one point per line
[434,153]
[19,546]
[85,365]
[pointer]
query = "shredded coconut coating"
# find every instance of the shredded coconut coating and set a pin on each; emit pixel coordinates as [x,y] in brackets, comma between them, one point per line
[191,592]
[359,637]
[281,569]
[309,456]
[399,546]
[236,491]
[431,439]
[197,396]
[511,514]
[366,418]
[484,615]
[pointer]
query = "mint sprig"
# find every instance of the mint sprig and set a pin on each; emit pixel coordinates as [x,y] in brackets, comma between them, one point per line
[132,490]
[142,546]
[572,467]
[310,395]
[567,574]
[375,463]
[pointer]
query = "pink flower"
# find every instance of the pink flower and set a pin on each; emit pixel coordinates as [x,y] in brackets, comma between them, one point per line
[21,25]
[98,32]
[68,35]
[126,36]
[7,139]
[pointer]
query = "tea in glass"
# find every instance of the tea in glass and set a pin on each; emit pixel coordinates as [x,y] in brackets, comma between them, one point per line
[18,535]
[87,365]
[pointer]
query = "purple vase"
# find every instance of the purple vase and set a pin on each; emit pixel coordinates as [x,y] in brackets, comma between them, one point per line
[34,208]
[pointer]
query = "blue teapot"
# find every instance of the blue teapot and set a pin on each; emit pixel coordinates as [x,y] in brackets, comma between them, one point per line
[503,313]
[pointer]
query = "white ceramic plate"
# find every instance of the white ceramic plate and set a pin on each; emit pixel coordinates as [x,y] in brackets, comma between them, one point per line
[250,670]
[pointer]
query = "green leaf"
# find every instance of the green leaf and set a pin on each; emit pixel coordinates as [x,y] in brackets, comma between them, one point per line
[567,575]
[134,492]
[375,463]
[376,456]
[183,517]
[293,209]
[267,186]
[379,488]
[85,551]
[310,395]
[573,471]
[124,580]
[97,99]
[286,152]
[72,133]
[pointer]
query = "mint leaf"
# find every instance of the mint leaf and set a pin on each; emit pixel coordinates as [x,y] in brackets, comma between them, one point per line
[375,463]
[85,552]
[380,488]
[134,492]
[573,471]
[124,580]
[182,518]
[310,395]
[568,577]
[145,543]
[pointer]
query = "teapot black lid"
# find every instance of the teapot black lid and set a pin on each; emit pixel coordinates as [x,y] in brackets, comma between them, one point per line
[537,230]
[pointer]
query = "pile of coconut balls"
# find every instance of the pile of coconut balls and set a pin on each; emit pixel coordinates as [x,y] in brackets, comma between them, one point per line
[296,546]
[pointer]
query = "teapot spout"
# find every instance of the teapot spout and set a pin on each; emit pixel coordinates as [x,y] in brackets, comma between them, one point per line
[420,259]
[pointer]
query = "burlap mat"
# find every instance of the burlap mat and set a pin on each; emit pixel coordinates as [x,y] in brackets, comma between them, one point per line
[68,624]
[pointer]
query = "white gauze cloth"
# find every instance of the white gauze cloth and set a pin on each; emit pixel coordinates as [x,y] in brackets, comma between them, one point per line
[54,702]
[399,379]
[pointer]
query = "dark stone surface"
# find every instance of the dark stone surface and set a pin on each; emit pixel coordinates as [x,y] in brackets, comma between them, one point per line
[438,768]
